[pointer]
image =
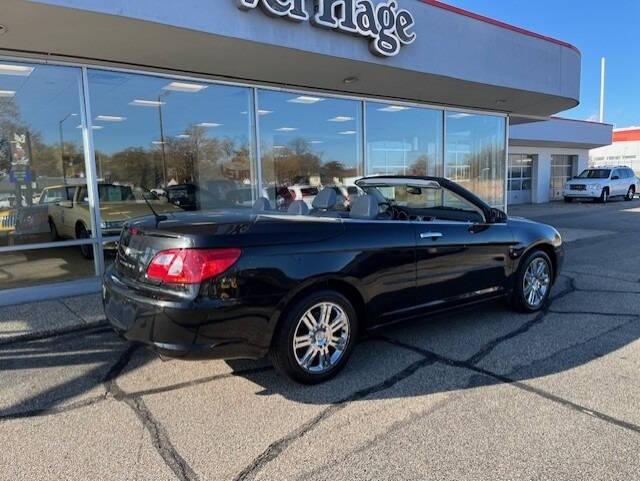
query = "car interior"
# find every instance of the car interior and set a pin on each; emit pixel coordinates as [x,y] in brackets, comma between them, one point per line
[403,203]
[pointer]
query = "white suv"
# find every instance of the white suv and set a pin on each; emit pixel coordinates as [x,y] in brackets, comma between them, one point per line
[601,183]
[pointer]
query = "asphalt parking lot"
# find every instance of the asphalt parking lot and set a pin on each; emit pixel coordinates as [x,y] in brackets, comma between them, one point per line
[481,394]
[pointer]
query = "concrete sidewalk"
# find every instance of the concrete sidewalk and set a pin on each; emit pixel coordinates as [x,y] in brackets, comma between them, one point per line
[26,321]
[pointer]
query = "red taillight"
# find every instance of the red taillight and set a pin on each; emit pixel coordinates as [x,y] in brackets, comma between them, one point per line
[293,194]
[190,266]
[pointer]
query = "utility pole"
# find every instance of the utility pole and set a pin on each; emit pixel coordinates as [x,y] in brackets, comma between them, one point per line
[602,74]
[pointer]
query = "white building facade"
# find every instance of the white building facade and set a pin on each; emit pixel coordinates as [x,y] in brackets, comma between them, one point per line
[544,155]
[624,150]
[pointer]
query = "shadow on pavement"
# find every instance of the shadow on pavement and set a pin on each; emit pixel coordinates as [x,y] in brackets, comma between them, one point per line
[64,372]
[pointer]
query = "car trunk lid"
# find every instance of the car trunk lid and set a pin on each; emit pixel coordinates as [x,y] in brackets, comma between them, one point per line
[142,239]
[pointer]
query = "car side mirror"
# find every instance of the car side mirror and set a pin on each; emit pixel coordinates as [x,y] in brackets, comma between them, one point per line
[66,203]
[615,177]
[497,216]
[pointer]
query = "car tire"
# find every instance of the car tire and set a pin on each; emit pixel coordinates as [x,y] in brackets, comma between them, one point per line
[568,200]
[527,274]
[319,354]
[604,196]
[86,250]
[630,194]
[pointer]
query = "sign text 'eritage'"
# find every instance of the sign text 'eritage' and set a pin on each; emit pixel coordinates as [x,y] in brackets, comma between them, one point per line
[387,26]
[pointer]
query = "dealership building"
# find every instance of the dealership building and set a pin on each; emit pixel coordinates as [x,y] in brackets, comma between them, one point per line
[624,150]
[201,103]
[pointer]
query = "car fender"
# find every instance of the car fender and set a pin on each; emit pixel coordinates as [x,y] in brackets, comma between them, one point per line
[531,238]
[325,281]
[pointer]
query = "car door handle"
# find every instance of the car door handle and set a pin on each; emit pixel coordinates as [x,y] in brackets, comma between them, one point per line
[430,235]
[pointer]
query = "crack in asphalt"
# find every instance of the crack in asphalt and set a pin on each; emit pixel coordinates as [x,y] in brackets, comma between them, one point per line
[75,313]
[183,471]
[559,353]
[160,438]
[491,345]
[50,411]
[198,381]
[599,276]
[606,291]
[592,313]
[277,447]
[430,358]
[378,438]
[519,384]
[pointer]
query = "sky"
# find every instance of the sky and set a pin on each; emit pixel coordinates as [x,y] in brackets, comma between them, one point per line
[598,28]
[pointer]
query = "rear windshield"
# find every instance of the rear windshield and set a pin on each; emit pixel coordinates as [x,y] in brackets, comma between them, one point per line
[595,174]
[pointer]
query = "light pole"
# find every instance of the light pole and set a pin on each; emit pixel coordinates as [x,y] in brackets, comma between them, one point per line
[162,142]
[64,168]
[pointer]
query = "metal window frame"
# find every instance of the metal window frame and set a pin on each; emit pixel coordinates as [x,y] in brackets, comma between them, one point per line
[17,295]
[505,193]
[91,173]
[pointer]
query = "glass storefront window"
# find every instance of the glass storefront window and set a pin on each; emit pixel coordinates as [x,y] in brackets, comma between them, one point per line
[475,154]
[41,151]
[307,143]
[403,140]
[181,145]
[188,145]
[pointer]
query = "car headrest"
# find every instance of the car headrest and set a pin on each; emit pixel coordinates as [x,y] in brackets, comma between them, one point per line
[326,199]
[298,207]
[364,207]
[261,204]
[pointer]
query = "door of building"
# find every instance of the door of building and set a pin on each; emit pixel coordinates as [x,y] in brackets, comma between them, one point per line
[520,175]
[561,171]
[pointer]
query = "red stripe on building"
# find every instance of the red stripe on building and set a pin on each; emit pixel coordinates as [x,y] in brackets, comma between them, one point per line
[626,135]
[498,23]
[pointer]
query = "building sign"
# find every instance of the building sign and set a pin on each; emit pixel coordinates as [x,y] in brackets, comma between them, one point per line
[387,27]
[20,171]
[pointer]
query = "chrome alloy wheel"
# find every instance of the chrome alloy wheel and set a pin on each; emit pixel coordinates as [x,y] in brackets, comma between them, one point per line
[321,337]
[536,282]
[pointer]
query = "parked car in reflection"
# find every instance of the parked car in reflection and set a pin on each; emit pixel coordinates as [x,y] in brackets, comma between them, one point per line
[192,197]
[70,217]
[8,218]
[23,222]
[302,286]
[183,196]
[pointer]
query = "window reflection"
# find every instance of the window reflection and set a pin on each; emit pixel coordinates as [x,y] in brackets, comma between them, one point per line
[475,154]
[181,146]
[403,140]
[40,146]
[307,143]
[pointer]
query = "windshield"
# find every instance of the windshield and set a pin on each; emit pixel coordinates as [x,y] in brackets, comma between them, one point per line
[595,174]
[119,193]
[429,201]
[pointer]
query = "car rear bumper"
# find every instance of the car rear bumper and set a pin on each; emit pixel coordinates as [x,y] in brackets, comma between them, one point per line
[183,329]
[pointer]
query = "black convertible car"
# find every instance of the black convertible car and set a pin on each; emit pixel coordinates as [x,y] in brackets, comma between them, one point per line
[302,285]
